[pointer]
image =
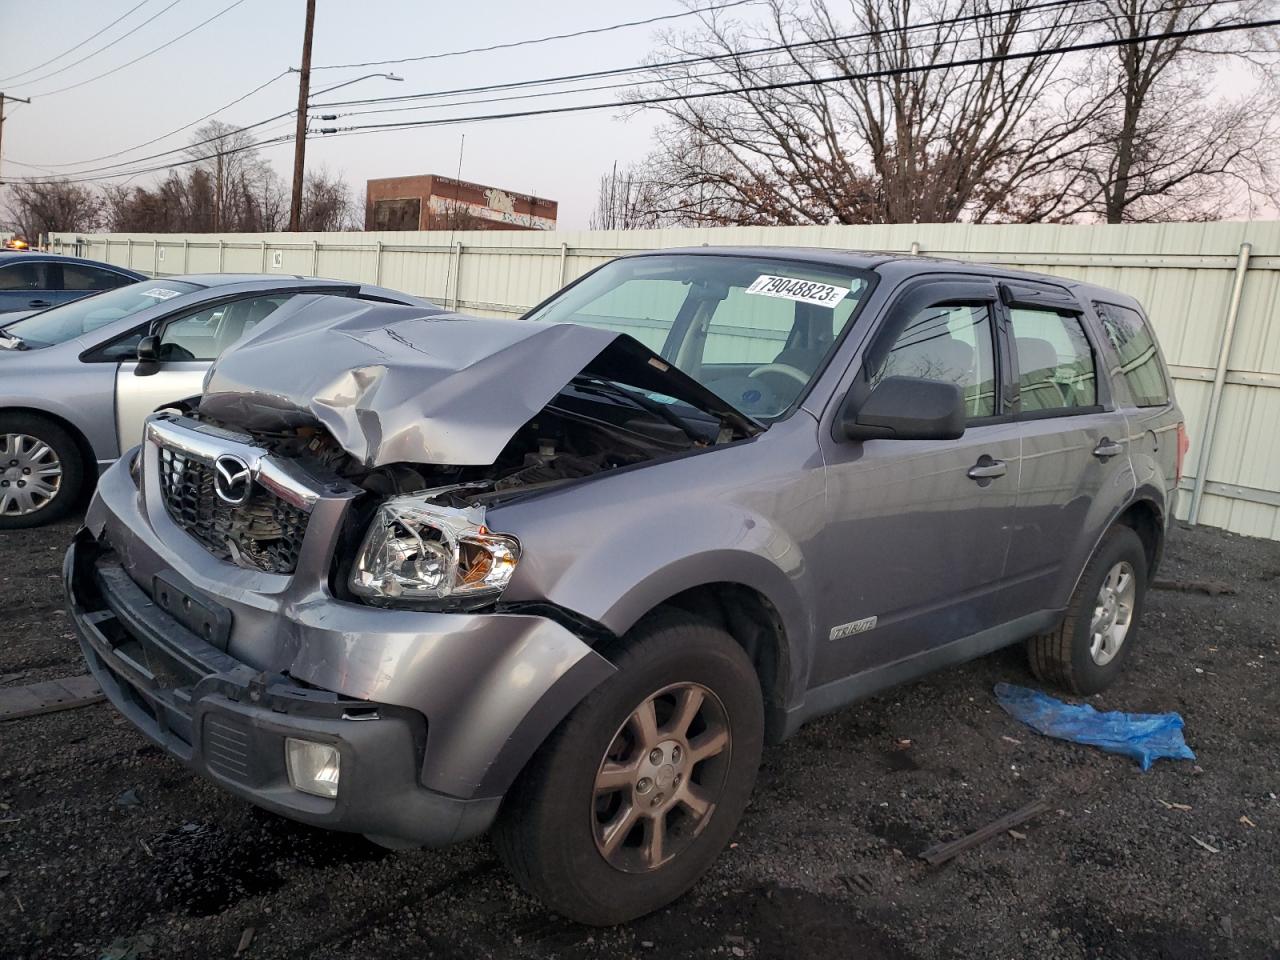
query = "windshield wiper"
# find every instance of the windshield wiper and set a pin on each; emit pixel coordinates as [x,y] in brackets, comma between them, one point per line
[11,342]
[660,410]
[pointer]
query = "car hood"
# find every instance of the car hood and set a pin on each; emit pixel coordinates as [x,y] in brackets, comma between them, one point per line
[393,385]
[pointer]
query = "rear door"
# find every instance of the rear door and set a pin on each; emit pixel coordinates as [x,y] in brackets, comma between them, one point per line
[23,284]
[71,281]
[1142,390]
[189,343]
[913,552]
[1075,443]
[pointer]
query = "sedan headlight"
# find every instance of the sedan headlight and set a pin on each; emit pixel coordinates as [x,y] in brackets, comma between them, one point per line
[419,553]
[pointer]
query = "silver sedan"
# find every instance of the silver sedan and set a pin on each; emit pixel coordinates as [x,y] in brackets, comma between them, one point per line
[76,381]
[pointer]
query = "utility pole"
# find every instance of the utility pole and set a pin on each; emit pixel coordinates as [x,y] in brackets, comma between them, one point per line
[300,138]
[3,98]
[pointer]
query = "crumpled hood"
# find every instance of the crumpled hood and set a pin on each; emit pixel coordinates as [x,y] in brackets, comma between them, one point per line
[398,384]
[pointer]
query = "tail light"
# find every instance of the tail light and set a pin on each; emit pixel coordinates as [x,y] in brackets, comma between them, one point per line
[1184,444]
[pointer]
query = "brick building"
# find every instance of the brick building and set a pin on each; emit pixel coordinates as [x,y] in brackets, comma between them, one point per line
[432,202]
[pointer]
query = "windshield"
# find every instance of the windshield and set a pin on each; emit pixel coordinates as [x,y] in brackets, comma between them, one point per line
[75,319]
[754,330]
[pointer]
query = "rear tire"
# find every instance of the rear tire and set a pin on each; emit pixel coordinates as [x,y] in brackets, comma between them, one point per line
[1087,651]
[42,472]
[564,830]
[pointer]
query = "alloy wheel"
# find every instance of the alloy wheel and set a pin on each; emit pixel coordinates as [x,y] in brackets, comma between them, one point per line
[30,474]
[1112,613]
[660,779]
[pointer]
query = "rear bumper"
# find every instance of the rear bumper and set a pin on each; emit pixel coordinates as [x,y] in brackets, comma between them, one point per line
[228,721]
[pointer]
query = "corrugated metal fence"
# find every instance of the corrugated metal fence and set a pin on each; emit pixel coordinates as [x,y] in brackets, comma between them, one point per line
[1212,290]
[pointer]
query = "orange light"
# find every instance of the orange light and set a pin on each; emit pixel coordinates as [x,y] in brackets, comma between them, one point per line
[475,566]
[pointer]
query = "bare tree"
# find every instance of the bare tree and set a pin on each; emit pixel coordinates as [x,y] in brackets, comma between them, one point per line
[916,136]
[1165,146]
[327,203]
[245,192]
[626,201]
[36,208]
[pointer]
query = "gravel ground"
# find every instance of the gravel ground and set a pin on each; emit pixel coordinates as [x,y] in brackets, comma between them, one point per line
[824,865]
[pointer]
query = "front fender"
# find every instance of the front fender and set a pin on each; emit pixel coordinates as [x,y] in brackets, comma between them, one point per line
[616,577]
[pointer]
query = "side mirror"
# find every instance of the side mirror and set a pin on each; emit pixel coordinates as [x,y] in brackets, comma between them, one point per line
[903,408]
[148,356]
[149,349]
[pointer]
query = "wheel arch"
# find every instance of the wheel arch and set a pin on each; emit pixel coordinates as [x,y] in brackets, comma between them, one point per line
[751,619]
[83,446]
[1145,516]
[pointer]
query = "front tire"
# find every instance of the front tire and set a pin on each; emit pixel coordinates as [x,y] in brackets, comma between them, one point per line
[41,471]
[1086,653]
[641,787]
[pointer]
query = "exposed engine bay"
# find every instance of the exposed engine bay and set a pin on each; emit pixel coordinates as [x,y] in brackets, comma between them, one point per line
[590,427]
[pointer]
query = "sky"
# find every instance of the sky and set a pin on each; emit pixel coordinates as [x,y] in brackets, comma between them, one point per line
[558,157]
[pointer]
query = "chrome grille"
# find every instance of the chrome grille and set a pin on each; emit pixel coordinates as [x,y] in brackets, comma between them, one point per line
[264,533]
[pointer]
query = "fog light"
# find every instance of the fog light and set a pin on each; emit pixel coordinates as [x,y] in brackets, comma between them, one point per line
[313,767]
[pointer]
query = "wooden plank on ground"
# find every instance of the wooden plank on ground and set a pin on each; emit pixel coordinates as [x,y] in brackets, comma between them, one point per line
[65,693]
[943,852]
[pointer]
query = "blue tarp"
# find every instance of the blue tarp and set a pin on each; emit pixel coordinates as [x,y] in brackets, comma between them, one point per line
[1144,736]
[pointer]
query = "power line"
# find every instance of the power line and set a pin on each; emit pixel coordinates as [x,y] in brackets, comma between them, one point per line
[154,50]
[163,136]
[255,145]
[628,84]
[819,81]
[707,58]
[524,43]
[1049,4]
[170,152]
[77,46]
[106,46]
[791,84]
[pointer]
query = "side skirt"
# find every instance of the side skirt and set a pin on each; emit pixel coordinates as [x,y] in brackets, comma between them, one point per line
[840,693]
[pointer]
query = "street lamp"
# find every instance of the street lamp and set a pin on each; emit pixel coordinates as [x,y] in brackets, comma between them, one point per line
[347,83]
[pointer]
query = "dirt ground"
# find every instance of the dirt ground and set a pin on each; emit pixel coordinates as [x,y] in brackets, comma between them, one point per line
[106,844]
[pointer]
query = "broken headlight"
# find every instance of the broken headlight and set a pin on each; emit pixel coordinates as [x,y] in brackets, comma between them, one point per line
[419,553]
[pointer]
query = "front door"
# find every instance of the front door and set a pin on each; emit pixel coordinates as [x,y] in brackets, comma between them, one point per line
[188,346]
[913,554]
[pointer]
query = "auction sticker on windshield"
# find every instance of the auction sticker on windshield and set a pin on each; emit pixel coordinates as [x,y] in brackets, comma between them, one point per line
[805,291]
[160,293]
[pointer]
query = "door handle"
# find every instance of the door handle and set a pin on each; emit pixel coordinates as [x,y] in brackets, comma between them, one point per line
[1107,448]
[39,303]
[986,470]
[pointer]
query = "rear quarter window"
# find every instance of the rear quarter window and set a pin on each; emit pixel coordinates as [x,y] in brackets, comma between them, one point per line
[1140,364]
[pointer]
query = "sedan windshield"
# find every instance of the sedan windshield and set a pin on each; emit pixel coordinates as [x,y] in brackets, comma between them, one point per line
[754,330]
[75,319]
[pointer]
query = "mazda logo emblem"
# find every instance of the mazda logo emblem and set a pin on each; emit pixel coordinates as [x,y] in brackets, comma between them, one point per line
[231,479]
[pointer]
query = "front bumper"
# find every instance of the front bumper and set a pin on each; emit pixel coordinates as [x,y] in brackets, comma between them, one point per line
[463,700]
[227,721]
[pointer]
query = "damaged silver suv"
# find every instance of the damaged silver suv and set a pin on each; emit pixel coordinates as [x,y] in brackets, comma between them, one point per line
[422,576]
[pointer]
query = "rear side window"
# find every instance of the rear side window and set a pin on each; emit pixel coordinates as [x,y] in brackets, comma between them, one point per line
[1056,370]
[76,276]
[1139,359]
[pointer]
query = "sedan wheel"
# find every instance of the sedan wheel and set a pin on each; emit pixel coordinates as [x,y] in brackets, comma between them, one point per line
[41,471]
[30,474]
